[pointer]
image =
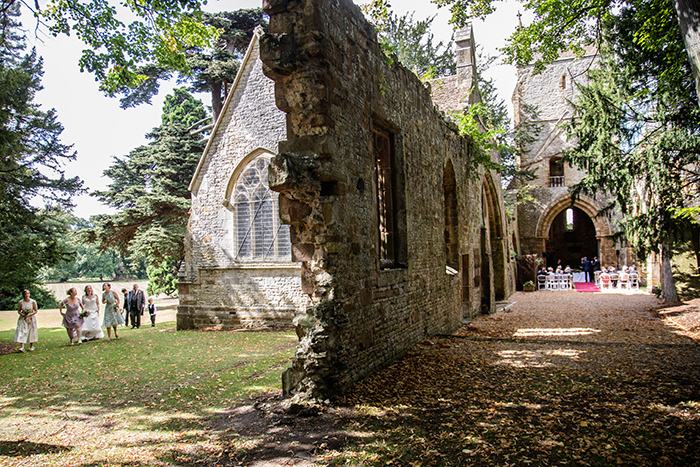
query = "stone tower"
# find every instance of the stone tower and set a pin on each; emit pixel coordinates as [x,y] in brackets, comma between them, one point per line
[550,226]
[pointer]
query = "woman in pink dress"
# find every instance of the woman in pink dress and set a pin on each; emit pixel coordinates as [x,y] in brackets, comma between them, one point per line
[72,319]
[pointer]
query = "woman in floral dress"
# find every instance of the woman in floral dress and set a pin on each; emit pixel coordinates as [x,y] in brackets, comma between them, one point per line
[112,316]
[72,317]
[91,326]
[26,331]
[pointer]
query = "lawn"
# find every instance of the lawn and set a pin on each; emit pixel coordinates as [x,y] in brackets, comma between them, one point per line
[148,398]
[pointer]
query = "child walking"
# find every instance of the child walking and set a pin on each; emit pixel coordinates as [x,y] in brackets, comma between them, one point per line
[152,311]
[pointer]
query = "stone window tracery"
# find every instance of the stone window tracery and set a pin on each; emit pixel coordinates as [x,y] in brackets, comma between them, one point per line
[258,233]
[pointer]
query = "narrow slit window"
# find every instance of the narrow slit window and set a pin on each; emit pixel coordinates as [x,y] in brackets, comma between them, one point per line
[390,202]
[569,219]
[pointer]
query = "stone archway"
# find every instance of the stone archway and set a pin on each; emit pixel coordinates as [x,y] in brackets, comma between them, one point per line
[571,231]
[572,236]
[493,244]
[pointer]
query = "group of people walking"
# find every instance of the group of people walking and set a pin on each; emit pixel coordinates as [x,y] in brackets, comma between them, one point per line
[81,316]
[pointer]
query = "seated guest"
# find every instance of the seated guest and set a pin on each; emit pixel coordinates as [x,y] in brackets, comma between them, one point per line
[605,279]
[624,279]
[567,269]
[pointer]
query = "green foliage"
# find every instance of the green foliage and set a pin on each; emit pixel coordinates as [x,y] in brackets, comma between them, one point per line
[412,42]
[562,25]
[31,170]
[484,139]
[150,189]
[162,276]
[159,31]
[86,261]
[209,69]
[638,126]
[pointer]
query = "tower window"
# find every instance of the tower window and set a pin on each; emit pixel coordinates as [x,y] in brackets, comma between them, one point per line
[562,82]
[569,219]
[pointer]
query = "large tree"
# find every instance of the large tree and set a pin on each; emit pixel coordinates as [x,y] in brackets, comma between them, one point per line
[31,168]
[638,128]
[413,43]
[209,69]
[122,37]
[561,25]
[150,190]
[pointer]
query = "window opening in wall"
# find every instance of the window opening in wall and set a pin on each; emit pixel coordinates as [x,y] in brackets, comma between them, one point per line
[449,186]
[562,82]
[556,172]
[259,235]
[569,219]
[390,202]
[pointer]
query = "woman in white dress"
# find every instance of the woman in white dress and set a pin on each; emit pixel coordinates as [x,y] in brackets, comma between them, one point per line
[26,331]
[91,324]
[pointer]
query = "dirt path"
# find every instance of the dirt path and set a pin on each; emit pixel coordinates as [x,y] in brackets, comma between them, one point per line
[558,378]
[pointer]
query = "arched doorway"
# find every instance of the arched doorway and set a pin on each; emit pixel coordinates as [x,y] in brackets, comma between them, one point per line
[449,188]
[493,248]
[572,235]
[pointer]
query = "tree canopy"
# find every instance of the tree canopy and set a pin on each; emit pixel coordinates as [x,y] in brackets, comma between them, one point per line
[150,190]
[32,157]
[209,69]
[561,25]
[120,38]
[637,125]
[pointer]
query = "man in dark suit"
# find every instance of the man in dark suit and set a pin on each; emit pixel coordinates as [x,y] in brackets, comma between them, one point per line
[126,307]
[137,303]
[587,269]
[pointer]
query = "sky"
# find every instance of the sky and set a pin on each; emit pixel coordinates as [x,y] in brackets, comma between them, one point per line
[100,130]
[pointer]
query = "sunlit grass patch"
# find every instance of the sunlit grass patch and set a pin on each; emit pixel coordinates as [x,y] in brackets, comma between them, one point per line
[147,398]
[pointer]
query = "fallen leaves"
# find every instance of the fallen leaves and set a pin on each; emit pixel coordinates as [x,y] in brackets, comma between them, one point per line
[626,394]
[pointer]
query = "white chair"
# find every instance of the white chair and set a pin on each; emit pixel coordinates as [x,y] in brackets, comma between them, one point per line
[634,282]
[614,280]
[551,282]
[541,282]
[569,281]
[624,281]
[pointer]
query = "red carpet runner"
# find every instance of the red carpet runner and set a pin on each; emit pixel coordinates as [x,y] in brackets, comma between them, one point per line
[586,287]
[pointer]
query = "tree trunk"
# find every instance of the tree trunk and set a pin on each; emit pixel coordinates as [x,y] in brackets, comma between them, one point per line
[668,286]
[216,101]
[688,12]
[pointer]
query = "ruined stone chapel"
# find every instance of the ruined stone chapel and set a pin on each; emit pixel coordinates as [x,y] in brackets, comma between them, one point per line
[335,193]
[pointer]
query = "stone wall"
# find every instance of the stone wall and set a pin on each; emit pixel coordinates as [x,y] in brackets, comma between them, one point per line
[550,94]
[340,92]
[216,288]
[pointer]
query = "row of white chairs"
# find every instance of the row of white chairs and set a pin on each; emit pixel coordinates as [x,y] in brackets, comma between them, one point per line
[622,281]
[555,282]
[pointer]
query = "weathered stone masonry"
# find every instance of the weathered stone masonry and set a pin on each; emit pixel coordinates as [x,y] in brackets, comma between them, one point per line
[234,274]
[370,234]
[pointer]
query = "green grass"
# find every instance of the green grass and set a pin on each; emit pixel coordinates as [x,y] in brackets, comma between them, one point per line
[157,386]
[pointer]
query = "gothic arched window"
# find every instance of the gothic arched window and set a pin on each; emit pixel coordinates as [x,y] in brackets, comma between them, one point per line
[258,233]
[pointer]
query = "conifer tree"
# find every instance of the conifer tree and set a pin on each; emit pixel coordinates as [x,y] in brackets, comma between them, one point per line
[31,170]
[209,69]
[150,189]
[638,129]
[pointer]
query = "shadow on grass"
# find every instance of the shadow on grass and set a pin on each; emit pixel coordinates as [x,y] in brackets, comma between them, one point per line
[23,448]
